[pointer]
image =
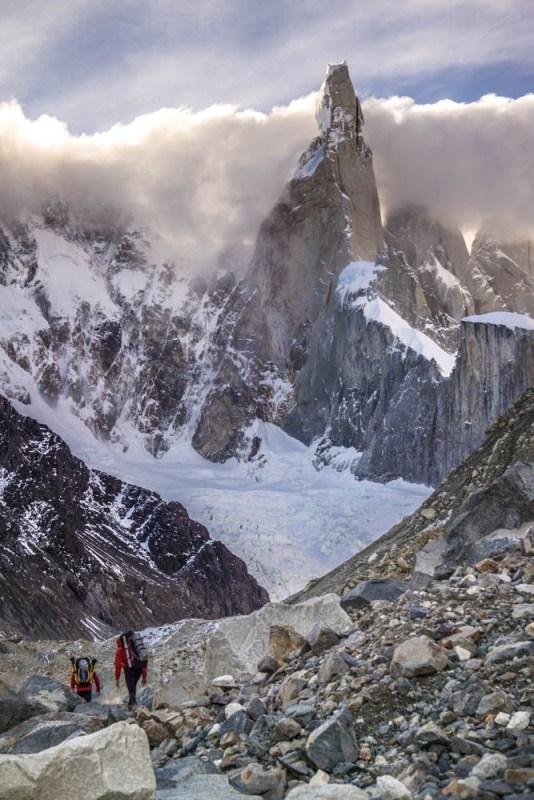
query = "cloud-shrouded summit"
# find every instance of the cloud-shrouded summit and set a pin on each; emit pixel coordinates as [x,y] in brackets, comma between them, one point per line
[205,180]
[202,180]
[468,163]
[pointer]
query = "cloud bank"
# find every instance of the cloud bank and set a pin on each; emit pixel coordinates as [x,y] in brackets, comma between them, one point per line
[467,163]
[205,180]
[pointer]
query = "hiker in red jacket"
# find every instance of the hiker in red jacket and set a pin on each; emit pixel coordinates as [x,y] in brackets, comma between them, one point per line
[82,676]
[126,659]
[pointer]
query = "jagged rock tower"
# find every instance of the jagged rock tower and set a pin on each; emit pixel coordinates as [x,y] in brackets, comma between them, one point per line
[328,216]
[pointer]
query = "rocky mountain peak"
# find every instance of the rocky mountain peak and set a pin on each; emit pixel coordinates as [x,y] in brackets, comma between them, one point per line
[339,113]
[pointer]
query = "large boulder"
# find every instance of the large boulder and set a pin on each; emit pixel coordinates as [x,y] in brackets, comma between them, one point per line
[376,589]
[254,779]
[191,778]
[240,642]
[336,791]
[113,763]
[417,656]
[51,694]
[47,730]
[332,742]
[20,701]
[182,687]
[507,502]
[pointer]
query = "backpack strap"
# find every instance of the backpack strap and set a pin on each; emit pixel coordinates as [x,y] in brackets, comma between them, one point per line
[74,670]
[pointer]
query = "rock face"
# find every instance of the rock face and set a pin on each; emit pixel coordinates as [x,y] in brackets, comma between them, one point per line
[503,274]
[495,356]
[328,217]
[434,290]
[483,506]
[85,553]
[363,388]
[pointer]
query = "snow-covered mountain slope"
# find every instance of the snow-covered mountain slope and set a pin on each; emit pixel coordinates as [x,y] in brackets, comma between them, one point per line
[106,325]
[102,326]
[288,520]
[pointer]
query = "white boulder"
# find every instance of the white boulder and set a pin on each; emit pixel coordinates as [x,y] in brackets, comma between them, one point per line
[240,642]
[114,763]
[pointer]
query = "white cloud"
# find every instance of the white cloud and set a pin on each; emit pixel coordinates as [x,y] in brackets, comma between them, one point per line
[205,180]
[465,162]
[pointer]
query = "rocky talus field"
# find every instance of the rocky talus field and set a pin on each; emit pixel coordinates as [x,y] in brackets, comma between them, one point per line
[389,692]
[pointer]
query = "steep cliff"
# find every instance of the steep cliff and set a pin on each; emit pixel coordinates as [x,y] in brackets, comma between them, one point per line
[327,217]
[437,260]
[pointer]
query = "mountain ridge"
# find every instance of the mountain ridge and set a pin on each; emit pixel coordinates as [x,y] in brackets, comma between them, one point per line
[85,553]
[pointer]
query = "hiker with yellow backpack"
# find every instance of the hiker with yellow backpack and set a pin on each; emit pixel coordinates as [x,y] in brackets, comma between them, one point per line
[82,677]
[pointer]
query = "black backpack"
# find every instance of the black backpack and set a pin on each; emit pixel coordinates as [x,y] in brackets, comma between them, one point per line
[135,648]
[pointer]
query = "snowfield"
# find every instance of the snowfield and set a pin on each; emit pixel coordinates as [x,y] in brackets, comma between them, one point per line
[288,521]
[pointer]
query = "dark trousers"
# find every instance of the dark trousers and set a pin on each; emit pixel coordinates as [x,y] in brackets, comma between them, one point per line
[86,694]
[132,675]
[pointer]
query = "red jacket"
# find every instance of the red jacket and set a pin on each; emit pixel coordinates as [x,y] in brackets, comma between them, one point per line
[121,661]
[84,687]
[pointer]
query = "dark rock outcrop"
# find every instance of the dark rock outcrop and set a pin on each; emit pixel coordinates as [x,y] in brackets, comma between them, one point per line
[84,553]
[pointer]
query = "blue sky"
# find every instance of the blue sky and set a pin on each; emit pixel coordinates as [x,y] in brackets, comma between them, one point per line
[93,63]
